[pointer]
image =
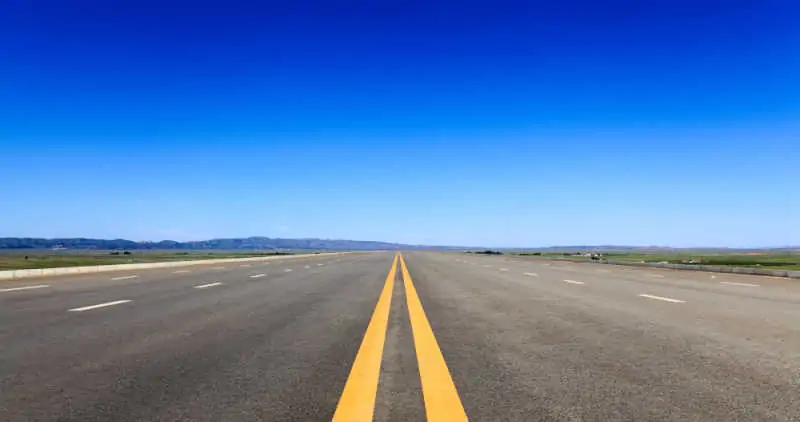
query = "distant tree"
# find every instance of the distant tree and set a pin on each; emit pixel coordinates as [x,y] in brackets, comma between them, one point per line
[490,252]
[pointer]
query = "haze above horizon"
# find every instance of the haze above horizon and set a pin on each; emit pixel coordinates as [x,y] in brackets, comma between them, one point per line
[436,123]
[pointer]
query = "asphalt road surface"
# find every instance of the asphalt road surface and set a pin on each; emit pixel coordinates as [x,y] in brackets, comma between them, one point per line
[369,336]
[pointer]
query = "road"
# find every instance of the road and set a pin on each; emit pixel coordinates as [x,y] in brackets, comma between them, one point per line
[370,337]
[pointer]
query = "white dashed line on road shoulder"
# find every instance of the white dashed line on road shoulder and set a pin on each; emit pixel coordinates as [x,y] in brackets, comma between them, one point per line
[531,274]
[573,282]
[99,305]
[486,266]
[733,283]
[320,265]
[218,268]
[16,289]
[306,267]
[244,265]
[181,272]
[665,299]
[657,275]
[204,286]
[258,275]
[503,269]
[288,270]
[125,277]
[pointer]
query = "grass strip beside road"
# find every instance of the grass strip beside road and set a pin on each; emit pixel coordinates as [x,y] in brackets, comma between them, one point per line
[760,260]
[28,260]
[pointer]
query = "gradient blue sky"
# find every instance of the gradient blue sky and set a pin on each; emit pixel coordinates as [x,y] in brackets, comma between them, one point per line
[465,123]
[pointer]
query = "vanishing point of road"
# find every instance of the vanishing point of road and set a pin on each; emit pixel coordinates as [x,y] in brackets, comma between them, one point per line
[389,337]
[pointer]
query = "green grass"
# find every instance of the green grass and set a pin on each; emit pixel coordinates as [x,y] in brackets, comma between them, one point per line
[15,260]
[766,261]
[773,261]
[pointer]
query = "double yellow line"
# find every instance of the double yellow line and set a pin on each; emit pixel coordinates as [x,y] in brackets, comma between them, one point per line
[357,402]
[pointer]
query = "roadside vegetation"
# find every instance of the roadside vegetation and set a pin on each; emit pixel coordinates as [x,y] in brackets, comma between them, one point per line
[33,259]
[766,260]
[486,252]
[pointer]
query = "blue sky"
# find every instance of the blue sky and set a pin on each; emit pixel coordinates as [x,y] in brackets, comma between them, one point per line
[464,123]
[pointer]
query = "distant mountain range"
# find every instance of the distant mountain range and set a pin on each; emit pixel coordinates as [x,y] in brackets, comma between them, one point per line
[250,243]
[267,243]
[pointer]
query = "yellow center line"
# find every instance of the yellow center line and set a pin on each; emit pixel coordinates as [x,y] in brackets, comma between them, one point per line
[438,390]
[357,402]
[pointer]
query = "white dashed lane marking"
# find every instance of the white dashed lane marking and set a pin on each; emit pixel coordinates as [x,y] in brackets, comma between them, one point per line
[288,270]
[125,277]
[181,272]
[733,283]
[573,282]
[257,275]
[665,299]
[205,286]
[16,289]
[99,305]
[531,274]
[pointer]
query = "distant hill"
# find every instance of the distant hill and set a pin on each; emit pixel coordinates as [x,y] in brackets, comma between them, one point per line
[267,243]
[250,243]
